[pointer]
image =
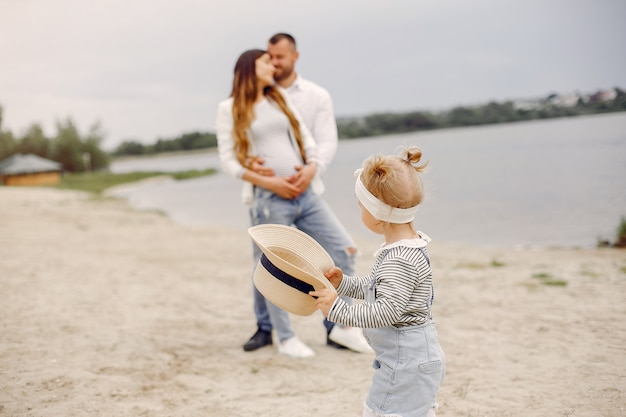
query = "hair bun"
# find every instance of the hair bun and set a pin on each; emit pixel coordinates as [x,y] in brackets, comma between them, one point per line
[413,154]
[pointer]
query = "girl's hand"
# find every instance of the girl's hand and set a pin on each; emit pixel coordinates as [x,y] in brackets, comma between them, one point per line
[334,275]
[325,300]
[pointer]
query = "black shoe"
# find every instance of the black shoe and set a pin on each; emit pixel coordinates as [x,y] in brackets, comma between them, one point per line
[258,340]
[334,344]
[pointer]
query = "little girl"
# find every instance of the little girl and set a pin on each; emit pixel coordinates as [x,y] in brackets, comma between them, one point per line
[398,293]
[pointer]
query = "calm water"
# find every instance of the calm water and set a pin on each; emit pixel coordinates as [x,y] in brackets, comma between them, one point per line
[552,182]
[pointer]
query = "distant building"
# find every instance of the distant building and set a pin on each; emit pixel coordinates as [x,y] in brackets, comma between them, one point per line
[527,105]
[29,169]
[603,96]
[567,100]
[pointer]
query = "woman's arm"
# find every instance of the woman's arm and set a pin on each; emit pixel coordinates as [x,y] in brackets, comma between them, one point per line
[280,186]
[225,141]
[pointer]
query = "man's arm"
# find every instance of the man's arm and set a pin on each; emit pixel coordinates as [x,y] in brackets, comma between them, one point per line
[324,131]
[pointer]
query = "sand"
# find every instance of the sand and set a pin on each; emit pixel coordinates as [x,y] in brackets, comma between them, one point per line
[106,311]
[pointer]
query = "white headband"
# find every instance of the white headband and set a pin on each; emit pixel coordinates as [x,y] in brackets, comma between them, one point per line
[377,208]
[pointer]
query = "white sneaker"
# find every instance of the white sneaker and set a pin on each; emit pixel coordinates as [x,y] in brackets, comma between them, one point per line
[350,337]
[294,348]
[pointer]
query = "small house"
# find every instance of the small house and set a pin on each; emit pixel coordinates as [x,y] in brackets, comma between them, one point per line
[29,169]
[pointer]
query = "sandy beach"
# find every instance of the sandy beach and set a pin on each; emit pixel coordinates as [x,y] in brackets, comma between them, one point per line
[106,311]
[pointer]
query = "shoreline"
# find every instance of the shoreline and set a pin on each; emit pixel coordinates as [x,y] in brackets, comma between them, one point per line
[126,158]
[113,311]
[125,193]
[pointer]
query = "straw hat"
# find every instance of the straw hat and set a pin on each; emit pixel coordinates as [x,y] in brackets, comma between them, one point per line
[292,264]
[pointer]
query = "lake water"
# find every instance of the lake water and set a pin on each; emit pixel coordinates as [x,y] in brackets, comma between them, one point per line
[540,183]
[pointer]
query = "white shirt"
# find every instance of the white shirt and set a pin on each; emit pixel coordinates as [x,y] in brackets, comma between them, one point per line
[270,131]
[315,106]
[226,146]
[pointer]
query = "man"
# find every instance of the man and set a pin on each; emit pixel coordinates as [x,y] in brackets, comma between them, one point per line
[315,106]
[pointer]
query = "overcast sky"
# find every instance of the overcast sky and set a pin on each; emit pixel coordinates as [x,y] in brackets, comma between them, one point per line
[148,69]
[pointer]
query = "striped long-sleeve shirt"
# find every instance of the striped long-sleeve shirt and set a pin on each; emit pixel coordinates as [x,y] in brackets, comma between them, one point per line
[403,289]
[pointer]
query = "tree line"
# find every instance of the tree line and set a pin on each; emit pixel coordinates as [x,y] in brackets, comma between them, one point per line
[185,142]
[83,152]
[80,152]
[490,113]
[390,123]
[76,151]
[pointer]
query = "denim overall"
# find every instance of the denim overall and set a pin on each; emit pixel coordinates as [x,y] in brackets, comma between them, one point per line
[409,367]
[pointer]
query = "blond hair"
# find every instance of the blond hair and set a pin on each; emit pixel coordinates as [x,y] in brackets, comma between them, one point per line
[395,179]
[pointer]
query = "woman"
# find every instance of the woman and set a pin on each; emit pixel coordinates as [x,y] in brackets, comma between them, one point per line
[259,121]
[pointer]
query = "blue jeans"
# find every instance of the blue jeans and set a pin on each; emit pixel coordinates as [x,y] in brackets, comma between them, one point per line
[309,213]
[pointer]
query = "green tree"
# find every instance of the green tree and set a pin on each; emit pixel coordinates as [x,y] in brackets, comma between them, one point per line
[34,141]
[185,142]
[619,103]
[7,142]
[462,116]
[130,147]
[494,112]
[94,157]
[68,147]
[164,145]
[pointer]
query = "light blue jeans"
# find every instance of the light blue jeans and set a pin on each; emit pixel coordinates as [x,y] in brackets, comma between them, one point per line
[309,213]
